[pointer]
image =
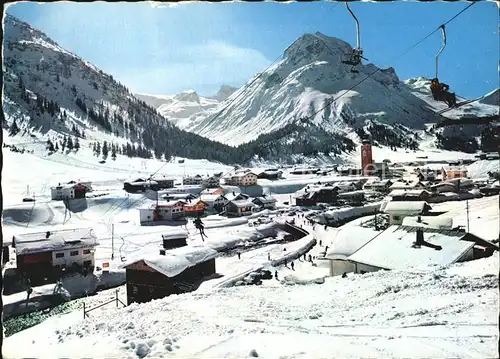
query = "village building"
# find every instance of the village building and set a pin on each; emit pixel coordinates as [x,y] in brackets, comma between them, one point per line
[140,185]
[163,182]
[194,189]
[192,180]
[304,171]
[407,185]
[242,179]
[175,271]
[211,182]
[236,196]
[315,195]
[451,173]
[42,256]
[238,208]
[354,197]
[405,248]
[345,244]
[185,197]
[217,190]
[174,240]
[378,185]
[265,202]
[270,174]
[409,195]
[195,208]
[161,211]
[437,222]
[71,190]
[214,202]
[397,211]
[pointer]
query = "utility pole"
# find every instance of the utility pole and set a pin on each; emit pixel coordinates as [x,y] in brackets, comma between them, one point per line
[467,209]
[112,241]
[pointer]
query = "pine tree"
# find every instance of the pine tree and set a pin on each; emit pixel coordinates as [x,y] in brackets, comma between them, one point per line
[113,152]
[63,144]
[76,144]
[13,129]
[98,149]
[69,143]
[50,146]
[105,150]
[57,147]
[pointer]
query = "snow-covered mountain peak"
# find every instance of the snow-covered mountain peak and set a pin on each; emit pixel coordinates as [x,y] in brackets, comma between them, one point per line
[188,96]
[224,92]
[316,47]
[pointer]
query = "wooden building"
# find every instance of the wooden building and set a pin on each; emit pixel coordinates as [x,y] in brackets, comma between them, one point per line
[195,208]
[70,190]
[174,240]
[162,211]
[317,195]
[43,256]
[180,270]
[266,202]
[239,208]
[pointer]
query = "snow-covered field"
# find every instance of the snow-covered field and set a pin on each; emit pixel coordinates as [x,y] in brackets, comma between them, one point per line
[382,314]
[303,314]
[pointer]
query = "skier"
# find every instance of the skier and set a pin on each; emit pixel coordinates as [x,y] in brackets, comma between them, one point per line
[276,274]
[239,255]
[268,256]
[200,226]
[292,265]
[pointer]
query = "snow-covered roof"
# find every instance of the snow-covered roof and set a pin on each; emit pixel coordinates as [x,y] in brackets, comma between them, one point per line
[61,239]
[347,242]
[392,249]
[243,203]
[439,222]
[404,207]
[175,235]
[265,199]
[178,195]
[175,261]
[243,174]
[162,178]
[351,193]
[211,197]
[160,204]
[231,196]
[409,192]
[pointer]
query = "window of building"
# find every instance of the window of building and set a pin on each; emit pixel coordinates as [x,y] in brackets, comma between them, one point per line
[86,251]
[87,263]
[73,253]
[396,218]
[59,255]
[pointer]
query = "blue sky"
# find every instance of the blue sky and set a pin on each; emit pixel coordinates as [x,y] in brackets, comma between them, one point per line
[157,48]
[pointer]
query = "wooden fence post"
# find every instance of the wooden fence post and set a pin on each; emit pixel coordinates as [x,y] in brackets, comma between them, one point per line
[83,310]
[116,292]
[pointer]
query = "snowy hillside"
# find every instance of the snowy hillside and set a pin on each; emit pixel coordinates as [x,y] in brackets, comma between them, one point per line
[224,92]
[493,98]
[179,108]
[309,76]
[50,92]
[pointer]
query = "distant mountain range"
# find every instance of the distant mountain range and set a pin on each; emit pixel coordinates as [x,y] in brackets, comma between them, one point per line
[284,111]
